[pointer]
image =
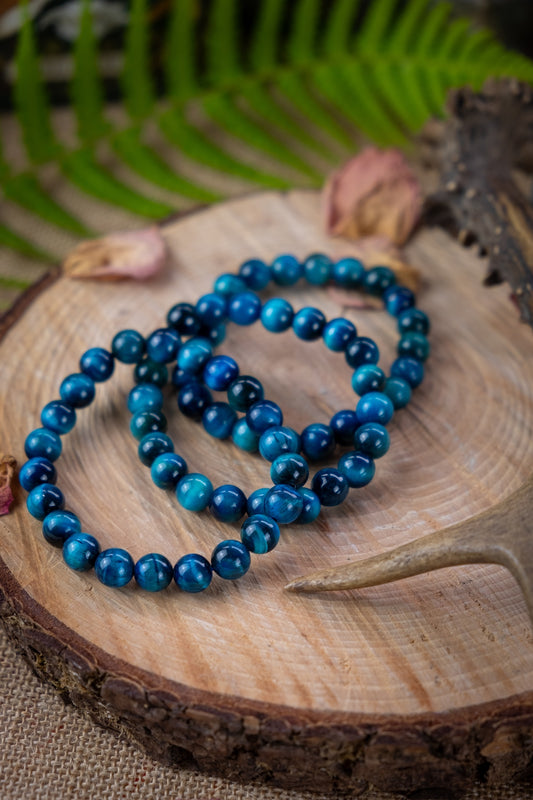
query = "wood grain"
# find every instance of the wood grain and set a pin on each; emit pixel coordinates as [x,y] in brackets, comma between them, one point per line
[427,683]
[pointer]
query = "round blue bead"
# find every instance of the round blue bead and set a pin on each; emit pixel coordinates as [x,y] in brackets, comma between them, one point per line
[410,369]
[228,503]
[349,273]
[330,486]
[256,274]
[162,345]
[398,391]
[219,372]
[43,499]
[153,445]
[80,551]
[308,323]
[397,299]
[244,308]
[114,567]
[36,471]
[338,333]
[256,502]
[361,350]
[260,534]
[413,320]
[181,377]
[283,503]
[193,573]
[59,525]
[358,468]
[77,390]
[415,345]
[277,315]
[193,399]
[244,391]
[211,309]
[97,363]
[167,470]
[372,439]
[318,441]
[278,440]
[227,284]
[343,424]
[148,371]
[317,269]
[58,416]
[263,415]
[182,317]
[368,378]
[144,422]
[153,572]
[128,346]
[194,491]
[43,442]
[374,407]
[194,354]
[230,559]
[378,279]
[145,397]
[218,420]
[311,507]
[214,335]
[244,437]
[286,270]
[289,468]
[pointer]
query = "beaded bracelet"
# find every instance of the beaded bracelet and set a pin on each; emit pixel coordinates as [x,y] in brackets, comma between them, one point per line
[260,532]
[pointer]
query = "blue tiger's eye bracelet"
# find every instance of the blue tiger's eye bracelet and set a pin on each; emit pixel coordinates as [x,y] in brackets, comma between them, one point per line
[197,372]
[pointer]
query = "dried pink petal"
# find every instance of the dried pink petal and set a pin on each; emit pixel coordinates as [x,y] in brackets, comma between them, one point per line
[7,471]
[6,498]
[131,254]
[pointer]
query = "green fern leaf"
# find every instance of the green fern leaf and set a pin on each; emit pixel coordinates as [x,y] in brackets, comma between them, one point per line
[24,190]
[136,81]
[180,52]
[337,34]
[7,282]
[86,86]
[301,46]
[377,22]
[266,38]
[222,46]
[12,240]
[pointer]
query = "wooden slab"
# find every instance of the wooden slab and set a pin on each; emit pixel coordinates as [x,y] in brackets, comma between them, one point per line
[422,684]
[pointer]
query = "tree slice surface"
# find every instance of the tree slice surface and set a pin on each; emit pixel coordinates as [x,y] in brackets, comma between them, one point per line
[451,650]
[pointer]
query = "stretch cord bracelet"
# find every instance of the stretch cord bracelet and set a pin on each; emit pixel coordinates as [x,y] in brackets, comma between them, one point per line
[260,533]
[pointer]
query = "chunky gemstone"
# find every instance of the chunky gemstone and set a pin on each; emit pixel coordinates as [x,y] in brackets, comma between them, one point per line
[244,437]
[182,317]
[128,346]
[361,350]
[193,399]
[181,377]
[308,323]
[343,424]
[260,534]
[77,390]
[219,372]
[283,503]
[80,551]
[194,354]
[36,471]
[218,420]
[317,269]
[330,486]
[318,441]
[256,502]
[408,368]
[58,416]
[277,315]
[59,525]
[374,407]
[358,468]
[214,335]
[153,445]
[349,273]
[244,391]
[372,439]
[211,309]
[227,285]
[398,391]
[378,280]
[43,499]
[368,378]
[338,333]
[114,567]
[311,507]
[263,415]
[194,491]
[153,572]
[162,345]
[144,422]
[148,371]
[228,503]
[289,468]
[43,442]
[398,299]
[255,273]
[193,573]
[145,397]
[278,440]
[230,559]
[97,363]
[413,320]
[286,270]
[167,470]
[244,308]
[415,345]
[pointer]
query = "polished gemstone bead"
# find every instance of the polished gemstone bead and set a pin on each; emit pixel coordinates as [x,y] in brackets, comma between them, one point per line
[219,372]
[97,363]
[308,323]
[338,333]
[162,345]
[59,525]
[228,503]
[413,320]
[211,309]
[317,269]
[80,551]
[378,280]
[153,572]
[77,390]
[349,273]
[256,502]
[368,378]
[230,559]
[144,422]
[289,468]
[181,377]
[343,425]
[361,350]
[153,445]
[311,507]
[128,346]
[244,308]
[358,468]
[214,335]
[260,534]
[283,503]
[415,345]
[330,486]
[244,437]
[398,391]
[145,397]
[167,470]
[58,416]
[194,354]
[286,270]
[408,368]
[114,567]
[148,371]
[43,442]
[374,407]
[182,317]
[36,471]
[318,441]
[397,299]
[227,285]
[255,273]
[193,573]
[218,420]
[194,491]
[277,315]
[277,440]
[372,439]
[43,499]
[193,399]
[244,391]
[263,415]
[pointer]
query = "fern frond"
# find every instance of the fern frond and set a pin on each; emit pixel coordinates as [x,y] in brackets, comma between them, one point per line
[12,240]
[24,190]
[264,49]
[376,24]
[86,86]
[136,80]
[337,33]
[180,52]
[222,44]
[301,46]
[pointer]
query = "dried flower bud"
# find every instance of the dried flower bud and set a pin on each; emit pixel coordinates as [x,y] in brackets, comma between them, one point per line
[132,254]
